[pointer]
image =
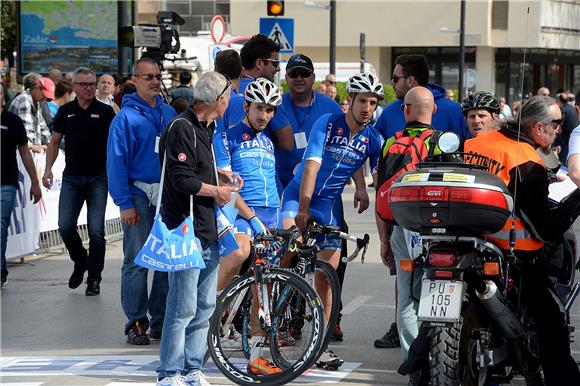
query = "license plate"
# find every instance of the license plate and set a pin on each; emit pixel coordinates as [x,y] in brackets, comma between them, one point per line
[440,300]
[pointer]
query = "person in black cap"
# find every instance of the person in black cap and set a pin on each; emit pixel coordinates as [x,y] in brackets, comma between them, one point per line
[184,89]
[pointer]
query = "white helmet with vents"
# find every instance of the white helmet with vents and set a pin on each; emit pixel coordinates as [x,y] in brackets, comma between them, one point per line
[263,91]
[365,82]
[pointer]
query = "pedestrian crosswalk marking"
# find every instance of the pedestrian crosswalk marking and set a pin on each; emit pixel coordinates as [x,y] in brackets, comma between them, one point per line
[135,366]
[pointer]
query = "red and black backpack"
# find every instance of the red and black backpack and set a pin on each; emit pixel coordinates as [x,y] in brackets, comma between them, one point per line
[400,154]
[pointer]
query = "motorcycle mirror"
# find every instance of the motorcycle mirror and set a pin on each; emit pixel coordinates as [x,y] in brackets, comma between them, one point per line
[448,142]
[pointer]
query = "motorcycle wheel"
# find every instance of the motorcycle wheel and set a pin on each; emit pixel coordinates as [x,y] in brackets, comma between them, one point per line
[452,358]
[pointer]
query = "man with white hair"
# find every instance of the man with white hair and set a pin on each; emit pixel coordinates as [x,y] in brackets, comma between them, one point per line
[187,146]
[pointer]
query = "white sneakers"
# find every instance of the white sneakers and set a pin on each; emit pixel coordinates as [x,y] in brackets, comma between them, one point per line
[176,380]
[196,378]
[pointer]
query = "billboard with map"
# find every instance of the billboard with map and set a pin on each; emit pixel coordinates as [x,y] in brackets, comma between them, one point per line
[67,35]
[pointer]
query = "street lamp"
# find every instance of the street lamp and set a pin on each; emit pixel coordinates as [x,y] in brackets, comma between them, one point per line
[332,7]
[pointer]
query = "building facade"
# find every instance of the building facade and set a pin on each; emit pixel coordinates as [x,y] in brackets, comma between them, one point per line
[497,32]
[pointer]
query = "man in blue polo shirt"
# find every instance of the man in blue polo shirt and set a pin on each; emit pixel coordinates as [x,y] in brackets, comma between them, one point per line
[302,107]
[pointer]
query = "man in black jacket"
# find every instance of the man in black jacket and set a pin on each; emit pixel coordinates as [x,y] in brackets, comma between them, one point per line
[539,226]
[191,174]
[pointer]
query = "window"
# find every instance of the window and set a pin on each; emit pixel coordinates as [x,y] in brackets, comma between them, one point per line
[499,14]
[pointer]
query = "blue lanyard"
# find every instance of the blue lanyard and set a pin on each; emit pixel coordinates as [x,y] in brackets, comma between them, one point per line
[296,113]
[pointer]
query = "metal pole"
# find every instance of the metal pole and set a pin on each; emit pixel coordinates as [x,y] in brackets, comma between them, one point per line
[122,52]
[332,60]
[461,51]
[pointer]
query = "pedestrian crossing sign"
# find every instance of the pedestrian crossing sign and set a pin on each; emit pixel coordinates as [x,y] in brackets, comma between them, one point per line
[281,31]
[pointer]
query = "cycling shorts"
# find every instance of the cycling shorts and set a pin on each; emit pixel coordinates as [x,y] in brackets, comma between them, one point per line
[324,211]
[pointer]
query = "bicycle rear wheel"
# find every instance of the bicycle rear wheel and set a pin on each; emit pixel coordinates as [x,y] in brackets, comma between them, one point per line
[291,323]
[283,287]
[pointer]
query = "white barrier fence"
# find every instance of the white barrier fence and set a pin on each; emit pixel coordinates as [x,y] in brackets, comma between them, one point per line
[34,228]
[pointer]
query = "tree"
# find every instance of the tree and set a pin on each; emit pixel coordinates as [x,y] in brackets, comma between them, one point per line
[8,30]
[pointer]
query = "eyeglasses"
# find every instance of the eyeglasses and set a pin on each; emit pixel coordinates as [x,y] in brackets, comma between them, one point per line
[556,122]
[332,83]
[87,84]
[299,73]
[228,84]
[395,78]
[274,62]
[149,77]
[405,104]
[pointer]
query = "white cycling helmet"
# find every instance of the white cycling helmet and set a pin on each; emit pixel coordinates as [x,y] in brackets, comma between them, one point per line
[365,82]
[263,91]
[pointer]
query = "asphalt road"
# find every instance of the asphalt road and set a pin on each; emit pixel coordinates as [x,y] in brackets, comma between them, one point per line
[51,335]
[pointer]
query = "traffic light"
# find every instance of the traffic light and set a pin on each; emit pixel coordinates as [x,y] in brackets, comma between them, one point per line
[275,8]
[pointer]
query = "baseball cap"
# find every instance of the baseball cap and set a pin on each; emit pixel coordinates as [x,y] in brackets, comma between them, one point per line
[299,61]
[46,86]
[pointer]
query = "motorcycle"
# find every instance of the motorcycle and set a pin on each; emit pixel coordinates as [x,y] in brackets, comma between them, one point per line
[472,317]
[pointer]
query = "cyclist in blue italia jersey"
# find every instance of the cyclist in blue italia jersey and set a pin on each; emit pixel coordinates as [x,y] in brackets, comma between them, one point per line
[338,146]
[246,150]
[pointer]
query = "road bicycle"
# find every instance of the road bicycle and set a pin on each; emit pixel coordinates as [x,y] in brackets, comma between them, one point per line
[317,273]
[263,298]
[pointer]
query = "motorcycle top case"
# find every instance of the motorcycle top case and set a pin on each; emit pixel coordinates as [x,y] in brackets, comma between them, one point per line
[450,200]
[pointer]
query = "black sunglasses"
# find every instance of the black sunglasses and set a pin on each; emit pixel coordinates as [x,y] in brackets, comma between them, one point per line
[405,104]
[299,73]
[396,78]
[556,122]
[149,77]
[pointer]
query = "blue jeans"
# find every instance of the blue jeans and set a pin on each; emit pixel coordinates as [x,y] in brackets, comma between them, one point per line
[190,304]
[74,192]
[7,197]
[134,298]
[408,284]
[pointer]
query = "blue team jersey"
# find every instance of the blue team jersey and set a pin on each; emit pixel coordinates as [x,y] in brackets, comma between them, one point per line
[301,118]
[340,156]
[233,114]
[251,155]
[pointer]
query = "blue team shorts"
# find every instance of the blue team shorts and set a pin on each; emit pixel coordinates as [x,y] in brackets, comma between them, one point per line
[324,211]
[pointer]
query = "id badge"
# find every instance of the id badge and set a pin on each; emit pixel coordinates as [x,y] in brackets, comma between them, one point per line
[300,139]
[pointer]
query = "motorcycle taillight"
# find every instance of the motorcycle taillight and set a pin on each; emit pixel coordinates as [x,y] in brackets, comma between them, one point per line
[442,259]
[404,194]
[478,196]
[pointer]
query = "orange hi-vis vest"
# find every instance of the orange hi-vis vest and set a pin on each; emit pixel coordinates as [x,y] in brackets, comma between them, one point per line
[505,155]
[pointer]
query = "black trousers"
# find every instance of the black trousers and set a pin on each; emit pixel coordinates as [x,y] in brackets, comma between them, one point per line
[544,308]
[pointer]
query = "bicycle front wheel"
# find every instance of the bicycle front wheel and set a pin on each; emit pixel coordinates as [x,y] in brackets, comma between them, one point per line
[283,287]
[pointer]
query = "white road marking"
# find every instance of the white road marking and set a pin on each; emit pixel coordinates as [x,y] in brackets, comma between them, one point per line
[121,365]
[354,304]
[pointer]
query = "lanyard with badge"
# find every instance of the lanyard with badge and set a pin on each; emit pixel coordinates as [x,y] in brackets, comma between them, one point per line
[300,136]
